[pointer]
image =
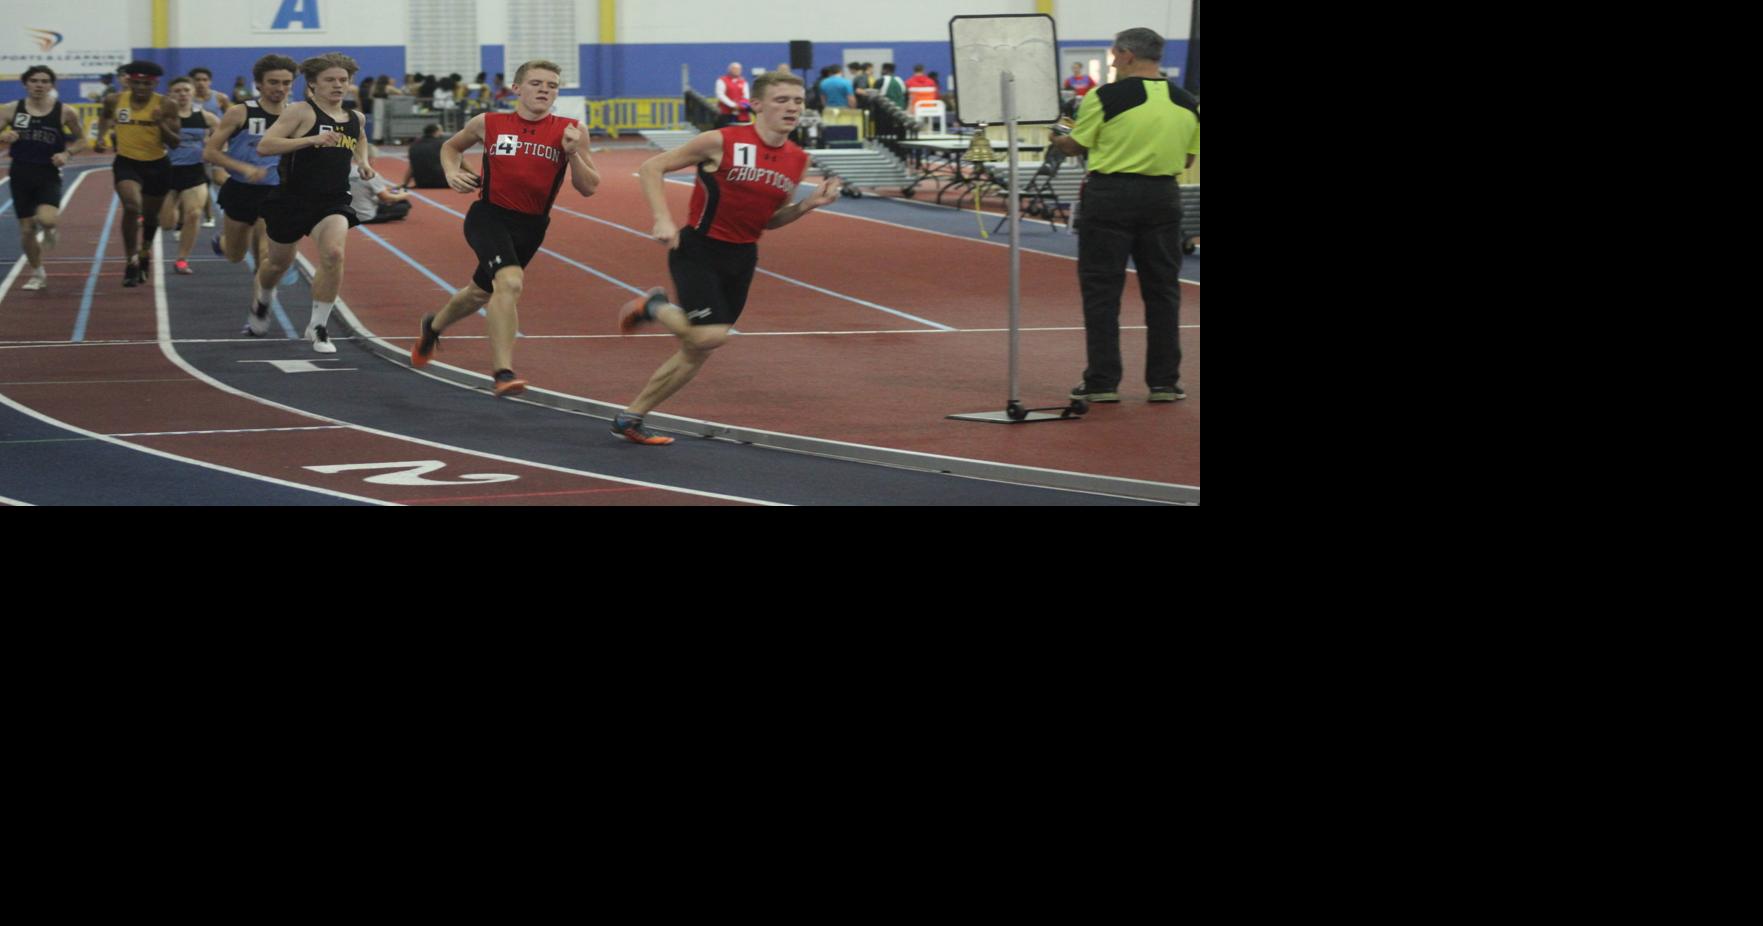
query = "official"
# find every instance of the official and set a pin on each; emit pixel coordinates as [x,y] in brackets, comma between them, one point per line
[1139,132]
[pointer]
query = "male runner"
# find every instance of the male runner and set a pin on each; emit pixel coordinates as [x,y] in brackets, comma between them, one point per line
[525,153]
[146,131]
[188,176]
[216,103]
[252,177]
[317,140]
[746,177]
[38,130]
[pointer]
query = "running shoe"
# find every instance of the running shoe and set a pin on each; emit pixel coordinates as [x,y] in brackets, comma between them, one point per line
[321,340]
[183,267]
[1167,393]
[257,320]
[215,244]
[507,385]
[208,222]
[38,280]
[131,275]
[427,339]
[51,236]
[1093,395]
[636,312]
[146,265]
[177,234]
[630,427]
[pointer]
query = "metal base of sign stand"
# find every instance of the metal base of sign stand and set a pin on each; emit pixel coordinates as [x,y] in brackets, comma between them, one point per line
[1014,413]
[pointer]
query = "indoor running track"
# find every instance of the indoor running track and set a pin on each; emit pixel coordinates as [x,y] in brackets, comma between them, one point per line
[149,395]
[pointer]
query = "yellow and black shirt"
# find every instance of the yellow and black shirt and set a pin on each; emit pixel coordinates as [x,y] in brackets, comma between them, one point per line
[1138,125]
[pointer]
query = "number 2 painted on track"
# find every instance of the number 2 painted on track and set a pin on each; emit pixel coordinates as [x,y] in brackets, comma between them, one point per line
[411,473]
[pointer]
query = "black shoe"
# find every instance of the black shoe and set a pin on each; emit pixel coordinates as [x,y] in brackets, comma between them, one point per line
[1167,393]
[146,265]
[131,275]
[1092,396]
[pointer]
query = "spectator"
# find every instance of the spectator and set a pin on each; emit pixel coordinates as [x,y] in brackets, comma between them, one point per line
[376,201]
[731,96]
[835,90]
[1079,83]
[425,161]
[501,92]
[920,88]
[891,86]
[109,82]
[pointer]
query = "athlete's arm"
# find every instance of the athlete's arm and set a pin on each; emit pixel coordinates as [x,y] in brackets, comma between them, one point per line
[825,194]
[705,151]
[289,130]
[214,150]
[106,121]
[70,122]
[7,135]
[169,123]
[363,166]
[459,176]
[582,174]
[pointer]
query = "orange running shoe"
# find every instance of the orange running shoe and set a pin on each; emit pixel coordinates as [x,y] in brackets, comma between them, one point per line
[507,385]
[636,312]
[630,427]
[428,339]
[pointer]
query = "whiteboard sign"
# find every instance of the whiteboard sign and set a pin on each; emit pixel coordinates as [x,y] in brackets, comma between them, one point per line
[985,47]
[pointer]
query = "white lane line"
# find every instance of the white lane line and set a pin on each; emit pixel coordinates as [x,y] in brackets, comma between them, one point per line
[319,427]
[837,295]
[180,459]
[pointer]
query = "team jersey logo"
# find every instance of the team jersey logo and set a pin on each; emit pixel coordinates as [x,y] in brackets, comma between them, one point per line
[507,144]
[744,154]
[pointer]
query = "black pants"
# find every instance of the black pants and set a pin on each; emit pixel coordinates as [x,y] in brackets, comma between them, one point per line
[1127,216]
[388,212]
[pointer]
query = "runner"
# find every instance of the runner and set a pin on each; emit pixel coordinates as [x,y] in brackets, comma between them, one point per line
[188,176]
[747,175]
[38,128]
[146,130]
[525,156]
[251,177]
[318,140]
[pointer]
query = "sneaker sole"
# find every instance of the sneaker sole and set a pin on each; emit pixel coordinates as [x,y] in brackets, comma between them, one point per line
[1098,398]
[653,440]
[631,317]
[512,387]
[1166,397]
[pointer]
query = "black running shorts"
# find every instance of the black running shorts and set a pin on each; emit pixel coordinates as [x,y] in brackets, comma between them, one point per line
[290,217]
[711,277]
[243,202]
[34,185]
[153,176]
[188,176]
[501,238]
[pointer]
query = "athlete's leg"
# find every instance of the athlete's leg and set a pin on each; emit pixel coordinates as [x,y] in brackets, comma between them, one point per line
[696,345]
[129,193]
[27,236]
[49,220]
[190,204]
[503,316]
[329,235]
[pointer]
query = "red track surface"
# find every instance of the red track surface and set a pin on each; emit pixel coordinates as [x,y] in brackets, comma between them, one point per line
[886,389]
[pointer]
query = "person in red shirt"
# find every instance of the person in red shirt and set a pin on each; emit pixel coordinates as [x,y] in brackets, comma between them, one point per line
[1079,82]
[526,153]
[747,175]
[731,95]
[920,88]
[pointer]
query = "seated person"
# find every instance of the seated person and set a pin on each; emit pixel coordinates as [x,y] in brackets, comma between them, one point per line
[375,200]
[425,161]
